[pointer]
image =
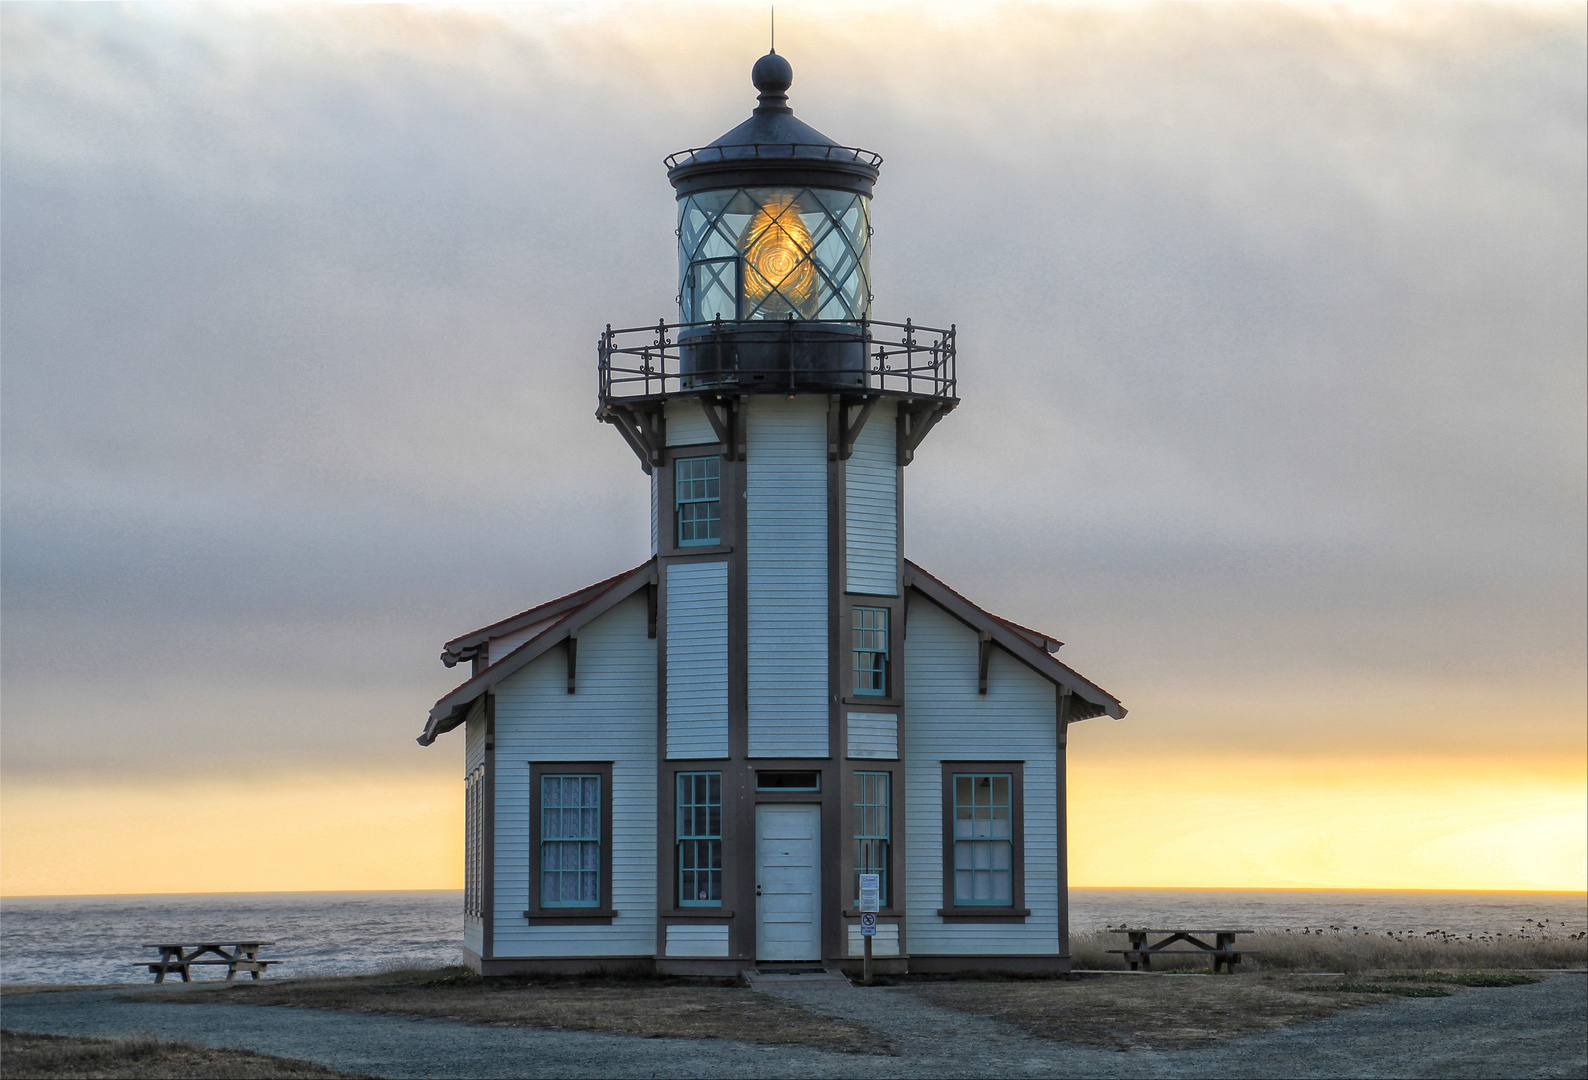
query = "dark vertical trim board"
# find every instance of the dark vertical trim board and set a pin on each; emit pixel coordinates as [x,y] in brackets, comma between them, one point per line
[488,871]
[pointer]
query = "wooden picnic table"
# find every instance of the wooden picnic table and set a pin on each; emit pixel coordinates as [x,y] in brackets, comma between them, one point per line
[1222,951]
[181,956]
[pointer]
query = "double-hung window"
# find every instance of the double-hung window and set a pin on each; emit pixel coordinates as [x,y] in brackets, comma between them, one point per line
[983,836]
[872,830]
[697,483]
[571,841]
[700,839]
[871,650]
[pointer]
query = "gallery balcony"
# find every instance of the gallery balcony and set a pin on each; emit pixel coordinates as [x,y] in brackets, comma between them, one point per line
[777,356]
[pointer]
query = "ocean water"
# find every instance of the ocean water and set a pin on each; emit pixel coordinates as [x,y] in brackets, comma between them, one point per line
[102,939]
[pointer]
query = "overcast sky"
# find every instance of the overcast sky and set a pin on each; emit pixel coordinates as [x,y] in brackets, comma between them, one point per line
[1272,352]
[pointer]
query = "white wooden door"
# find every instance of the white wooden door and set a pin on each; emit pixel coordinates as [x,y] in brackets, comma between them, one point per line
[788,923]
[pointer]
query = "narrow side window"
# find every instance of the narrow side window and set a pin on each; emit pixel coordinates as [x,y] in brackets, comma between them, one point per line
[473,842]
[700,839]
[871,650]
[570,840]
[697,483]
[873,830]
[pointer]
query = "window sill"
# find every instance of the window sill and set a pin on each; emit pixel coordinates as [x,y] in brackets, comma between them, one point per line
[700,549]
[572,916]
[696,913]
[885,913]
[983,914]
[862,699]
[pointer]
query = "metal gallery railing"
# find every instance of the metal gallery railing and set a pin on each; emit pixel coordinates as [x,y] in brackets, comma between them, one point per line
[799,151]
[774,356]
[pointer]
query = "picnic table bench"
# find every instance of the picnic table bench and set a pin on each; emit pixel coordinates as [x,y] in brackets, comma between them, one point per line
[242,956]
[1222,952]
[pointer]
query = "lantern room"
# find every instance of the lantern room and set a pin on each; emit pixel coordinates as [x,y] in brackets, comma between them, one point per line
[774,274]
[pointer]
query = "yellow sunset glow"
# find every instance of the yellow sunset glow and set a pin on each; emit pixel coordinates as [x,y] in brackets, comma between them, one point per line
[1262,824]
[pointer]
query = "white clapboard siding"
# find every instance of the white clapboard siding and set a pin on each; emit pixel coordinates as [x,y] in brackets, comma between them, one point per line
[656,512]
[786,576]
[950,721]
[697,660]
[692,939]
[885,943]
[498,647]
[687,424]
[612,718]
[873,736]
[871,517]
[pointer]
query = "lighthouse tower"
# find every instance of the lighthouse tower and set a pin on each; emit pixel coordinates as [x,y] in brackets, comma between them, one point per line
[695,765]
[775,419]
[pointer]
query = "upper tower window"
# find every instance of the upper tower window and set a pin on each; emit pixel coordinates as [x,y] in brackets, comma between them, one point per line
[871,650]
[771,253]
[699,486]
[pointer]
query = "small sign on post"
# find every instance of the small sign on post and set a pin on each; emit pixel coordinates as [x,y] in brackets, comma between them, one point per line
[870,903]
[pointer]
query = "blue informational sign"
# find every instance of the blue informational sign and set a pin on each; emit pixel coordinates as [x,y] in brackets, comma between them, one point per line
[868,925]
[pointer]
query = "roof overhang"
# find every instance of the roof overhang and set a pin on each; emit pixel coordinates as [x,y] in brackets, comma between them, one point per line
[1031,648]
[591,604]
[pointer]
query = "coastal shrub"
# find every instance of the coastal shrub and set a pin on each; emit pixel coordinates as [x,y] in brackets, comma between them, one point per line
[1351,950]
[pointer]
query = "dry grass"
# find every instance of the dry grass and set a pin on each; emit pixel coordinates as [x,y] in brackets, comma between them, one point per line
[1356,951]
[1120,1013]
[653,1008]
[7,989]
[55,1056]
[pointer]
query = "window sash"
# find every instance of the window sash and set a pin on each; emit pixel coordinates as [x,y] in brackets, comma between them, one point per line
[473,841]
[570,840]
[983,827]
[871,651]
[697,486]
[873,830]
[699,839]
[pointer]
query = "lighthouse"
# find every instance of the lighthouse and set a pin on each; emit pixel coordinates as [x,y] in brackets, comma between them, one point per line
[694,766]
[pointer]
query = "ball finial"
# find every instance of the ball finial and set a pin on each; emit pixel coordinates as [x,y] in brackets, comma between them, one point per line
[772,74]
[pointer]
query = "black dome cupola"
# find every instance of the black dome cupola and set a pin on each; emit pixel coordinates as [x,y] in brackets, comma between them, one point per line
[773,147]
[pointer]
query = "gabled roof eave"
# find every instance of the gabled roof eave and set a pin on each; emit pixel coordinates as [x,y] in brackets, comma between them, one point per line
[1014,643]
[451,710]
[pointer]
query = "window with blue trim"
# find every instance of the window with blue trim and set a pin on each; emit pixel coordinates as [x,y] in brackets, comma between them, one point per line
[872,830]
[700,839]
[570,841]
[983,839]
[871,650]
[697,483]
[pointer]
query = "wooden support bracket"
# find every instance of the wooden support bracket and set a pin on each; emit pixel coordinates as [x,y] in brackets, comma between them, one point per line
[984,647]
[722,425]
[573,658]
[850,430]
[915,421]
[643,431]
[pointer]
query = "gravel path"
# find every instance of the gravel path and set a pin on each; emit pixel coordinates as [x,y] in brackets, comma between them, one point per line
[1528,1031]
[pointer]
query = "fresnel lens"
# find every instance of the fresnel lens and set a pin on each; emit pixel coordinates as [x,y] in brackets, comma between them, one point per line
[779,275]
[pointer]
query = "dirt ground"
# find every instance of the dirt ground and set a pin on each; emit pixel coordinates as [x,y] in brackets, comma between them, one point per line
[1122,1012]
[48,1057]
[653,1009]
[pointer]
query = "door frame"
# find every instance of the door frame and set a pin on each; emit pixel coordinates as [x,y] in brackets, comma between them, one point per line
[815,808]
